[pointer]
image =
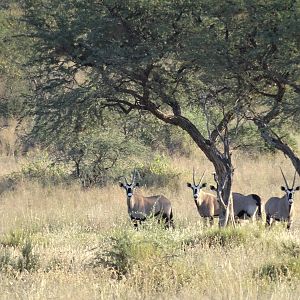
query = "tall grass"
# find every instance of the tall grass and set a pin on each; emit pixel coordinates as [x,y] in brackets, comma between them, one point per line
[62,242]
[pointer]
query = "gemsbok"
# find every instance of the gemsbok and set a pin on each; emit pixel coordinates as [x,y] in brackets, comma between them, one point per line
[245,206]
[282,209]
[140,207]
[207,204]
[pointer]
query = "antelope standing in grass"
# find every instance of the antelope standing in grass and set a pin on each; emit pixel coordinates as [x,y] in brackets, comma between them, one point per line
[207,204]
[282,209]
[140,207]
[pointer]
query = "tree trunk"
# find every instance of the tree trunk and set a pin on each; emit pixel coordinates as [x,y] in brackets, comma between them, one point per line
[224,176]
[221,161]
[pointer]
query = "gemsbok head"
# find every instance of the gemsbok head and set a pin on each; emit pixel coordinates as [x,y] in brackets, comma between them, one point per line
[140,207]
[207,204]
[282,209]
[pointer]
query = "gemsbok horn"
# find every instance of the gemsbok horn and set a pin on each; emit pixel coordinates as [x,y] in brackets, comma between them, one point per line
[140,207]
[207,204]
[282,209]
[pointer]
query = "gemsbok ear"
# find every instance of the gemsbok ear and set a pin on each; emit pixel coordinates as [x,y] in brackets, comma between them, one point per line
[137,184]
[213,188]
[189,185]
[203,185]
[282,188]
[297,188]
[121,184]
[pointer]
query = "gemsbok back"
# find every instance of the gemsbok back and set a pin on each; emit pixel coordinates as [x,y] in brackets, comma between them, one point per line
[245,206]
[282,209]
[207,204]
[140,207]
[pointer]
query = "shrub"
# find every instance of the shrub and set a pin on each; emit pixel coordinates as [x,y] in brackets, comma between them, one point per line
[6,260]
[158,172]
[41,168]
[291,248]
[15,238]
[28,261]
[279,271]
[128,249]
[220,237]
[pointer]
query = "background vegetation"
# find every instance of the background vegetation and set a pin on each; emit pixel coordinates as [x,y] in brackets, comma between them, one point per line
[90,90]
[68,242]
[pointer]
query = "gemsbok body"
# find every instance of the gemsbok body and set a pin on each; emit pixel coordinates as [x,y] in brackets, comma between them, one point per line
[140,207]
[245,206]
[282,209]
[207,204]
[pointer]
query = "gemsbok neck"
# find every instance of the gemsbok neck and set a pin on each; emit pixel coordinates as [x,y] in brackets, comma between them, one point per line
[130,203]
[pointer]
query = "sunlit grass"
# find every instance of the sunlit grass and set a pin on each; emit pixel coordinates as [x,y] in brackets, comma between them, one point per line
[63,242]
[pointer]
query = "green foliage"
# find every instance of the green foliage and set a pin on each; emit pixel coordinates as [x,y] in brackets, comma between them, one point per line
[128,250]
[159,172]
[14,53]
[6,260]
[98,156]
[43,169]
[280,271]
[226,238]
[161,137]
[28,261]
[15,238]
[291,249]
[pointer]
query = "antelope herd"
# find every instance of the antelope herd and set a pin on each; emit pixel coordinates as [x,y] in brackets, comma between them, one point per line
[244,206]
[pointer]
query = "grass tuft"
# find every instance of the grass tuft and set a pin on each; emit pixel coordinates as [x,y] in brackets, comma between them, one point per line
[289,270]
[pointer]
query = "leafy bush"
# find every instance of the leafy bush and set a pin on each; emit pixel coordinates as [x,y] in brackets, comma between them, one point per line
[158,172]
[42,168]
[38,168]
[128,249]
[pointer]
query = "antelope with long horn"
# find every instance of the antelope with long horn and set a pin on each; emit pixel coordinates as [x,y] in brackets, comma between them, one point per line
[282,209]
[140,207]
[207,204]
[245,206]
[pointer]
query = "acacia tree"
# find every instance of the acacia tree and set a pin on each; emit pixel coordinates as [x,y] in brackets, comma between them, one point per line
[262,49]
[273,77]
[129,56]
[164,58]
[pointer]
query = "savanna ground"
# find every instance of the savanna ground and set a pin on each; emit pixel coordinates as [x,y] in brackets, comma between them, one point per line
[63,242]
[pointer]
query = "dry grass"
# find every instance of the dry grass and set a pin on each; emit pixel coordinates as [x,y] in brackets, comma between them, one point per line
[80,239]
